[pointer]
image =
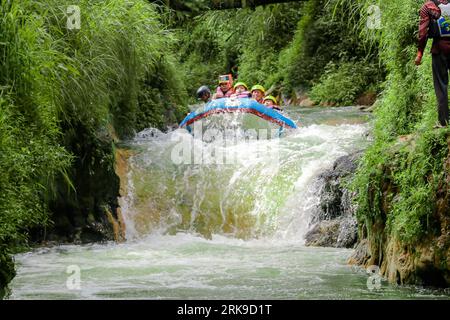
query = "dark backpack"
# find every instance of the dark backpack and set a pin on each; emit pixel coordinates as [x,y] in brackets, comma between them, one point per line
[433,29]
[439,28]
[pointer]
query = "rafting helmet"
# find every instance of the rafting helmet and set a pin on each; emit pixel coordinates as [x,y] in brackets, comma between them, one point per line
[271,98]
[241,84]
[258,87]
[202,91]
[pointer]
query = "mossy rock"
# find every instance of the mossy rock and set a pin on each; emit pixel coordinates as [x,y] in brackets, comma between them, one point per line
[7,272]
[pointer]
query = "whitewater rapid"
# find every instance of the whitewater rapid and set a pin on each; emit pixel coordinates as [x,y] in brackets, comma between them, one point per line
[209,231]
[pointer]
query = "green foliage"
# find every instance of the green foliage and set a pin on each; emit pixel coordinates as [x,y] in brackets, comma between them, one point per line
[245,42]
[162,101]
[64,94]
[309,51]
[268,30]
[201,54]
[284,46]
[118,53]
[325,35]
[341,84]
[398,184]
[409,91]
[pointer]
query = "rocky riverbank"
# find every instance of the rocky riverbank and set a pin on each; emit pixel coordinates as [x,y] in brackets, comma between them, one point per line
[339,224]
[410,245]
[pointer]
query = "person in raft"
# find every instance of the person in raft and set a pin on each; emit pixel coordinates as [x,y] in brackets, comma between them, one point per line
[241,91]
[258,92]
[225,88]
[204,94]
[271,102]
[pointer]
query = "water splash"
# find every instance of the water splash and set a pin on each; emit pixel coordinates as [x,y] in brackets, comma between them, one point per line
[255,195]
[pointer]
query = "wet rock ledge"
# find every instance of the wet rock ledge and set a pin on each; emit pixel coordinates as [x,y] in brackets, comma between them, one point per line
[334,223]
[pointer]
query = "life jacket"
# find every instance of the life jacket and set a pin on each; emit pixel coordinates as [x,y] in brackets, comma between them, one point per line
[244,94]
[220,94]
[440,27]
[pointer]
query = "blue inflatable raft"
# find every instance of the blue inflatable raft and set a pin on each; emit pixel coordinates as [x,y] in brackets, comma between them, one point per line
[239,106]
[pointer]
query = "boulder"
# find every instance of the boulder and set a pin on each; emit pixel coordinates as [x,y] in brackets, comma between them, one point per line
[334,223]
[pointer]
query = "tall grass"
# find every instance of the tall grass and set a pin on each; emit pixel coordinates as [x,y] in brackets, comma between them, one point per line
[30,151]
[65,96]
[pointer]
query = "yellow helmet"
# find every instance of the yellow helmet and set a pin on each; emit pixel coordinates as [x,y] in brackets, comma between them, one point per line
[272,98]
[258,87]
[241,84]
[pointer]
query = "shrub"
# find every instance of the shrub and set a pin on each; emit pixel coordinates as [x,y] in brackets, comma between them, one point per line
[342,83]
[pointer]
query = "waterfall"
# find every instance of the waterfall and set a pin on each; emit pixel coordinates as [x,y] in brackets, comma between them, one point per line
[234,186]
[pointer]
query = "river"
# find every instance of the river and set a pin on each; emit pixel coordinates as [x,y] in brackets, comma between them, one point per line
[210,230]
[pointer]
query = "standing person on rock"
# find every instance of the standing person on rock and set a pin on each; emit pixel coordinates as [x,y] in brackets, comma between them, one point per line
[435,24]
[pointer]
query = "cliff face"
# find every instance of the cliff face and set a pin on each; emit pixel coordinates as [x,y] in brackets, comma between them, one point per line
[426,263]
[88,212]
[422,264]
